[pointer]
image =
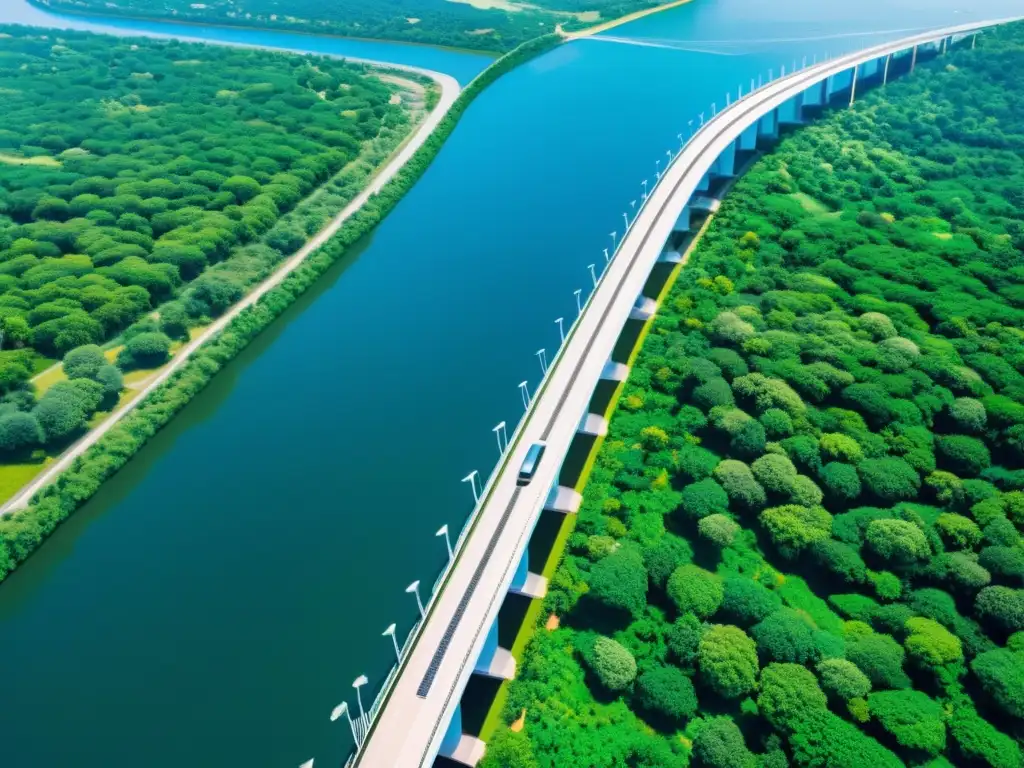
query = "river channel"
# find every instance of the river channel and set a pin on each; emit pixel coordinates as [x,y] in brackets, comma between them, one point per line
[216,599]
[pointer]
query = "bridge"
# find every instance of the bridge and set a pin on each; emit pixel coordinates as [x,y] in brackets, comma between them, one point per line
[417,716]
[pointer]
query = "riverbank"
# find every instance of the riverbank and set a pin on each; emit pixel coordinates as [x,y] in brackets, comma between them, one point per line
[606,25]
[69,482]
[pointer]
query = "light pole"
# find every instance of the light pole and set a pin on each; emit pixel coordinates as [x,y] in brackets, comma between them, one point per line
[577,292]
[644,182]
[414,589]
[390,632]
[714,109]
[657,169]
[357,684]
[701,119]
[561,329]
[770,75]
[342,709]
[498,431]
[681,143]
[669,153]
[607,258]
[752,86]
[542,357]
[524,390]
[442,531]
[471,479]
[593,274]
[625,219]
[728,98]
[760,80]
[689,124]
[613,236]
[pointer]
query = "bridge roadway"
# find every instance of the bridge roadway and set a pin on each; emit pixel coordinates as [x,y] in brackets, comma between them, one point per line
[415,712]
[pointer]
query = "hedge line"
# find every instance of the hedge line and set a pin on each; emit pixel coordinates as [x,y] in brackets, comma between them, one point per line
[22,532]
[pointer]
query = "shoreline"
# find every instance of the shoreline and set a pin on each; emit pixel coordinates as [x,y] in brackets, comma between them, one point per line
[606,25]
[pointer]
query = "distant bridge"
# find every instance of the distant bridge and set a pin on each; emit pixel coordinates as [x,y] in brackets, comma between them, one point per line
[417,716]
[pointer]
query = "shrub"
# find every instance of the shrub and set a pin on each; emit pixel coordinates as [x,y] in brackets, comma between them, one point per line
[110,378]
[1001,606]
[793,527]
[1004,562]
[880,658]
[667,691]
[19,431]
[836,446]
[683,640]
[718,529]
[747,602]
[146,350]
[1001,532]
[826,741]
[66,406]
[963,455]
[878,325]
[748,440]
[695,462]
[619,582]
[777,423]
[614,666]
[968,414]
[719,744]
[789,694]
[980,741]
[509,749]
[728,660]
[669,553]
[739,483]
[785,636]
[174,320]
[890,479]
[958,531]
[843,679]
[703,498]
[914,720]
[713,393]
[897,541]
[960,571]
[693,589]
[1001,673]
[83,362]
[805,492]
[841,559]
[932,645]
[841,481]
[774,472]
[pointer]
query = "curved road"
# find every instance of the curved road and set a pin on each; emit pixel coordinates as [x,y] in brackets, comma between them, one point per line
[421,699]
[450,90]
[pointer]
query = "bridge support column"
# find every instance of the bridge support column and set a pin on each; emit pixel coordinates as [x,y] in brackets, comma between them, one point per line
[620,371]
[885,72]
[789,110]
[644,309]
[564,500]
[459,746]
[913,59]
[768,126]
[725,164]
[705,183]
[869,68]
[494,660]
[525,583]
[593,424]
[683,222]
[748,139]
[853,86]
[815,95]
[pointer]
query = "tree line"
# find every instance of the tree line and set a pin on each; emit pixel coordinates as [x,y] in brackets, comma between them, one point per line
[801,543]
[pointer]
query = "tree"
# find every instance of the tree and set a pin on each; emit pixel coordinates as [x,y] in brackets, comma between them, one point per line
[915,720]
[836,446]
[841,481]
[789,694]
[880,658]
[826,741]
[890,479]
[683,640]
[1001,674]
[843,679]
[667,691]
[958,531]
[979,741]
[669,553]
[785,636]
[840,559]
[619,582]
[897,541]
[695,590]
[963,455]
[739,483]
[931,645]
[728,660]
[1002,607]
[84,362]
[243,188]
[719,744]
[774,472]
[110,378]
[145,350]
[509,749]
[174,321]
[747,602]
[712,393]
[793,528]
[968,414]
[19,431]
[718,529]
[614,666]
[703,498]
[1004,562]
[66,406]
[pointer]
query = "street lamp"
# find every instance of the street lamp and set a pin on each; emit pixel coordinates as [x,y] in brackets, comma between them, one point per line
[414,589]
[357,684]
[613,236]
[524,390]
[644,182]
[669,153]
[542,356]
[701,119]
[442,531]
[607,258]
[625,219]
[593,275]
[471,479]
[576,293]
[728,98]
[561,329]
[390,632]
[689,124]
[342,709]
[680,137]
[498,431]
[657,167]
[714,109]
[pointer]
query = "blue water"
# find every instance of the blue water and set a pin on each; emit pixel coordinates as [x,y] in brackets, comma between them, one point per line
[212,604]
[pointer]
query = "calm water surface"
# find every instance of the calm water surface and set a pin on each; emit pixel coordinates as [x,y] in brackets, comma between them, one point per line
[213,603]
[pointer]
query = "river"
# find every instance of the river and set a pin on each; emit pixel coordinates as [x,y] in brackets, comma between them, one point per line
[215,600]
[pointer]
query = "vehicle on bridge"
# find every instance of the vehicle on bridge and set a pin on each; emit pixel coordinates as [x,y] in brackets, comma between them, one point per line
[529,466]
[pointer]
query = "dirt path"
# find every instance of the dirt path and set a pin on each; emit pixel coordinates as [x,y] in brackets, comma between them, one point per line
[449,92]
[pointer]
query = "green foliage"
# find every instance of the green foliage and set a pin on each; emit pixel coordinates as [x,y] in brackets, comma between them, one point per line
[747,602]
[703,498]
[914,720]
[664,557]
[1004,562]
[614,666]
[719,744]
[826,741]
[843,679]
[789,694]
[19,431]
[785,636]
[692,589]
[841,481]
[728,660]
[931,645]
[793,528]
[84,362]
[719,529]
[957,531]
[739,483]
[880,658]
[619,582]
[683,640]
[1001,673]
[509,749]
[889,479]
[897,541]
[979,740]
[966,456]
[145,350]
[667,691]
[66,406]
[1003,607]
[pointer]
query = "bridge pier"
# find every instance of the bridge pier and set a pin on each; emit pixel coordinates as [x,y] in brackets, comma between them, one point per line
[705,183]
[459,746]
[748,139]
[683,222]
[525,582]
[816,95]
[670,257]
[790,110]
[768,125]
[644,309]
[495,661]
[620,371]
[725,163]
[564,500]
[593,424]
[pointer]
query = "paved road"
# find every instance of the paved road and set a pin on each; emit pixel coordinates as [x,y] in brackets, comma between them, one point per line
[449,92]
[412,722]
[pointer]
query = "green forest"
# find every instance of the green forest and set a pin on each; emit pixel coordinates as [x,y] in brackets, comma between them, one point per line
[801,542]
[498,28]
[141,175]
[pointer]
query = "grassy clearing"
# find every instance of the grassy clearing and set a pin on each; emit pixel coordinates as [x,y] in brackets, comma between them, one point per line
[42,160]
